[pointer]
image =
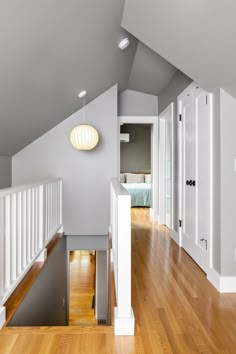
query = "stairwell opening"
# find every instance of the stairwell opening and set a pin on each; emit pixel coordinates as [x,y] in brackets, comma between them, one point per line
[71,289]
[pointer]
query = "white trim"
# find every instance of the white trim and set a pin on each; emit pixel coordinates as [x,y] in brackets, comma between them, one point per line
[124,326]
[2,316]
[138,119]
[210,242]
[153,120]
[168,110]
[175,236]
[224,284]
[153,217]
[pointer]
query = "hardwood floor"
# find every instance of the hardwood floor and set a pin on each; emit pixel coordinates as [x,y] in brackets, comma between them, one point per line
[82,288]
[176,309]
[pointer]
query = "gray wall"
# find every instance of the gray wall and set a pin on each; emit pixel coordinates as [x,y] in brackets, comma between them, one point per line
[135,156]
[170,94]
[5,172]
[101,298]
[86,174]
[133,103]
[178,83]
[45,302]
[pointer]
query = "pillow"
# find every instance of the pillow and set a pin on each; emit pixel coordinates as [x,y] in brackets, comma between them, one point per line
[122,177]
[134,178]
[148,178]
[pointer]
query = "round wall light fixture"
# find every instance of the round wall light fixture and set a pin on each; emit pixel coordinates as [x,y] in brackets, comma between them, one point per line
[84,136]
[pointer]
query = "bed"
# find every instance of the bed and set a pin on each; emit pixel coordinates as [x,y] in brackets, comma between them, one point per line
[139,187]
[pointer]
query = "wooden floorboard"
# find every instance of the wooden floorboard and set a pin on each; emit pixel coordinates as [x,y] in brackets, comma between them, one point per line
[176,309]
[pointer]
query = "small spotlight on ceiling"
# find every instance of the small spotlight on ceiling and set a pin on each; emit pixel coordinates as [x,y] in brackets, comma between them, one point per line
[82,94]
[124,43]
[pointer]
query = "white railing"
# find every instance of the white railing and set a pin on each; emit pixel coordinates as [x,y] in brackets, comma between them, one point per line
[30,216]
[121,254]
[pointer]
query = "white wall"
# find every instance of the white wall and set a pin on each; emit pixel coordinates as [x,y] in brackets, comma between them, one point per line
[5,172]
[134,103]
[85,174]
[224,184]
[228,182]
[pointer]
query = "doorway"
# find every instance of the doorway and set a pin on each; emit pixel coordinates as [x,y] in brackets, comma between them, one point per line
[152,122]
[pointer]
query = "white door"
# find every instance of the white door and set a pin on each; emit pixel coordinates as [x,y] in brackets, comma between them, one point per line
[195,147]
[166,167]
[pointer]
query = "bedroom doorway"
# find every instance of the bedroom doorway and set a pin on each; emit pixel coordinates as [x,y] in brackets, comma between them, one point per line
[139,163]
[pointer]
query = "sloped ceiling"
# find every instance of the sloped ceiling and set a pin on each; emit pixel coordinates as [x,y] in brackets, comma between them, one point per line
[197,37]
[150,73]
[51,49]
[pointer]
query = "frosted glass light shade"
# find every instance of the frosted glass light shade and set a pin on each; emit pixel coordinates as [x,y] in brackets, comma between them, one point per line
[84,137]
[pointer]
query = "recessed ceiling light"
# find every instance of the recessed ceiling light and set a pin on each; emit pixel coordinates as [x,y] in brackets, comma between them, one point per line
[82,94]
[124,43]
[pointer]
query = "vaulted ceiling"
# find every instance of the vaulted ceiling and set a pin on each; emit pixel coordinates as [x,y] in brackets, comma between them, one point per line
[51,49]
[197,37]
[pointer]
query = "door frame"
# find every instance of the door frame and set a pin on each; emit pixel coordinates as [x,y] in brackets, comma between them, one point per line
[162,174]
[187,91]
[153,121]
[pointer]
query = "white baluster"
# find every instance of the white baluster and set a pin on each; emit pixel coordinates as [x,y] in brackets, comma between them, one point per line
[19,228]
[2,247]
[24,229]
[13,237]
[28,219]
[32,206]
[7,242]
[41,220]
[36,248]
[60,202]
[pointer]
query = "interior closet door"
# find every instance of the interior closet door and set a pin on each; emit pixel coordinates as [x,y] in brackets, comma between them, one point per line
[196,175]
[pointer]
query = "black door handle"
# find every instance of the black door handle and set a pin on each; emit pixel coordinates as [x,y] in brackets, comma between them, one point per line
[187,182]
[194,183]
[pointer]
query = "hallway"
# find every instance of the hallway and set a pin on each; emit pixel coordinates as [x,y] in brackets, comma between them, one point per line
[176,309]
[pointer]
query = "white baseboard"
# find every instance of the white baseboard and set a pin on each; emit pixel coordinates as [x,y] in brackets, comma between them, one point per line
[124,326]
[175,236]
[224,284]
[2,316]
